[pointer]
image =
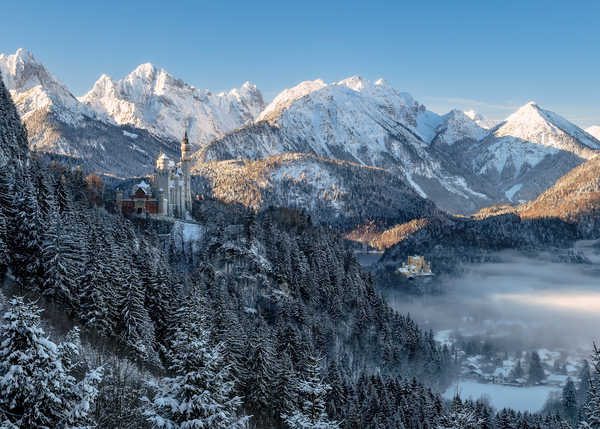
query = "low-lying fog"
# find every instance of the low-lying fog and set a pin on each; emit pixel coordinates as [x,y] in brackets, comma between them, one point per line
[526,303]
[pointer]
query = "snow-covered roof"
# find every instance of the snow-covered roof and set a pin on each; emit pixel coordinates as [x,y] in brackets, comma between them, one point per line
[144,187]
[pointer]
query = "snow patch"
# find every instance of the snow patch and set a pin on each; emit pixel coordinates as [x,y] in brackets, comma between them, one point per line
[512,191]
[185,234]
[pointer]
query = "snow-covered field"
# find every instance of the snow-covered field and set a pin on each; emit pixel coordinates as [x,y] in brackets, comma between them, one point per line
[530,398]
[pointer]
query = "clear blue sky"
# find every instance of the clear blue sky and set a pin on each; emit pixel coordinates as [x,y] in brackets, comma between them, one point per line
[488,55]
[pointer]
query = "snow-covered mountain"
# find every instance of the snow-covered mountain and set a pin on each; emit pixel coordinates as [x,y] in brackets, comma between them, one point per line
[457,125]
[33,88]
[594,131]
[526,153]
[358,121]
[58,124]
[459,160]
[119,128]
[481,120]
[150,98]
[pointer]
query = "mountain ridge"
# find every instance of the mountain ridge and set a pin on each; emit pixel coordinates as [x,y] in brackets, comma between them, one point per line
[152,99]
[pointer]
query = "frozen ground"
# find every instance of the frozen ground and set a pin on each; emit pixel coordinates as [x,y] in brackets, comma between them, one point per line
[519,398]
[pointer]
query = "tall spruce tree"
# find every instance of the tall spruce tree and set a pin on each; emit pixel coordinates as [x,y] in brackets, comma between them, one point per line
[199,393]
[536,371]
[36,389]
[26,237]
[58,266]
[136,328]
[569,402]
[95,298]
[592,406]
[310,410]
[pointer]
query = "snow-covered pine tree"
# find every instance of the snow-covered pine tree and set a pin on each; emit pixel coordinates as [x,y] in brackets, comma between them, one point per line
[36,389]
[4,252]
[284,385]
[94,297]
[259,376]
[64,198]
[44,190]
[592,406]
[199,392]
[57,268]
[310,410]
[26,236]
[517,371]
[136,327]
[159,293]
[461,416]
[536,371]
[569,402]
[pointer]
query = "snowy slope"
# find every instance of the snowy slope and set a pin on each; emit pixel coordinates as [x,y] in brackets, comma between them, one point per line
[33,88]
[354,120]
[594,131]
[457,125]
[481,120]
[529,151]
[58,124]
[530,134]
[150,98]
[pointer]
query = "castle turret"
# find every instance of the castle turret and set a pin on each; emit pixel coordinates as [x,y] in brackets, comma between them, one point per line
[186,154]
[161,181]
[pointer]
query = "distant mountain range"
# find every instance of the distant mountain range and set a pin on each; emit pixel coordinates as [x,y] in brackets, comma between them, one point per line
[119,128]
[461,161]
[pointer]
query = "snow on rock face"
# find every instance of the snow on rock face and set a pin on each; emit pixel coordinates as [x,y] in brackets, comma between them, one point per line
[542,127]
[285,98]
[457,125]
[354,120]
[480,120]
[187,235]
[530,134]
[400,106]
[594,131]
[33,88]
[152,99]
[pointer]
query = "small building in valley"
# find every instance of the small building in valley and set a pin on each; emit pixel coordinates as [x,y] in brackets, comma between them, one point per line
[416,266]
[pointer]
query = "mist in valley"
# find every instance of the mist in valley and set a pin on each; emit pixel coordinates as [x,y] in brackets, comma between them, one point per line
[521,303]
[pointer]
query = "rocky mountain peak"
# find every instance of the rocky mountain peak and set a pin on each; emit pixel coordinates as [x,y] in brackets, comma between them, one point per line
[594,131]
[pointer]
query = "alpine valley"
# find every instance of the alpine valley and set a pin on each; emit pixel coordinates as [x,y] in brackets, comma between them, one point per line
[340,257]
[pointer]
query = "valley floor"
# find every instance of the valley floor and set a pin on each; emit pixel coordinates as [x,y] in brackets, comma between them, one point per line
[530,398]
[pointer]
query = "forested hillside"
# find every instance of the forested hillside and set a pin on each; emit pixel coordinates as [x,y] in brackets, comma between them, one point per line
[338,194]
[575,198]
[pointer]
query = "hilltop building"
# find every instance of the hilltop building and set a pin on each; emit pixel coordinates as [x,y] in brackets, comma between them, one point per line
[417,266]
[170,193]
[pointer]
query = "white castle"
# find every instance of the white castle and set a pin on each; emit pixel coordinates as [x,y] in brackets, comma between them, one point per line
[171,193]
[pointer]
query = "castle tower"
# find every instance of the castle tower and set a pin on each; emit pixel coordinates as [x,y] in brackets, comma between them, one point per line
[161,183]
[186,154]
